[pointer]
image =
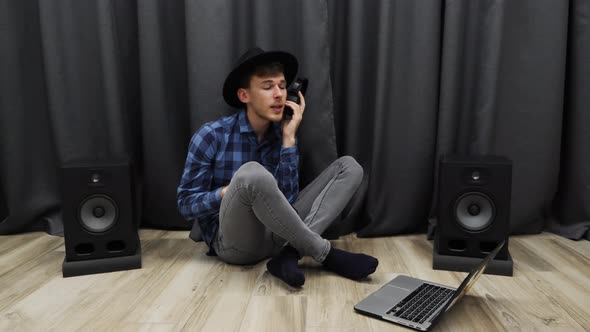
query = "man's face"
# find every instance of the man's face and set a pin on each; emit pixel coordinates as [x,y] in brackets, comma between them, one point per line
[266,96]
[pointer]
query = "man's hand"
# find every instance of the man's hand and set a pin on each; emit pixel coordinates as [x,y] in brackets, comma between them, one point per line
[223,190]
[290,126]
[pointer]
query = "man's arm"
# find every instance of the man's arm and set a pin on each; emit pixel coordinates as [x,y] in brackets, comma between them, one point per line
[287,173]
[195,197]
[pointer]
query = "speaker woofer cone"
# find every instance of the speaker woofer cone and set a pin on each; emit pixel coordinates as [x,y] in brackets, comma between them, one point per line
[474,211]
[98,213]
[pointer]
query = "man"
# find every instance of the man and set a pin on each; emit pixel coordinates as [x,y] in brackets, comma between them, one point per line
[240,180]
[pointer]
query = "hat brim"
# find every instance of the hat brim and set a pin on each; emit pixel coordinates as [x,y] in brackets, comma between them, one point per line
[232,82]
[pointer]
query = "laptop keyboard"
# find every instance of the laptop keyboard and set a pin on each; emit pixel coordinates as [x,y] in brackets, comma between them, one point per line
[421,303]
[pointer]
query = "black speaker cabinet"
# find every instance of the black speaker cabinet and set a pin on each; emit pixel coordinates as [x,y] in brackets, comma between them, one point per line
[100,223]
[473,213]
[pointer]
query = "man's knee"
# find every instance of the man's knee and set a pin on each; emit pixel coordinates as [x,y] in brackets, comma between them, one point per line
[351,167]
[254,174]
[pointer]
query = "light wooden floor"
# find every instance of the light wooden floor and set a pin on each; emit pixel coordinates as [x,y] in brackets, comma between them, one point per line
[179,288]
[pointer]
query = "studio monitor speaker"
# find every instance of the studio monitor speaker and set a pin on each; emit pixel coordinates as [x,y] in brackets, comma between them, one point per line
[99,217]
[473,213]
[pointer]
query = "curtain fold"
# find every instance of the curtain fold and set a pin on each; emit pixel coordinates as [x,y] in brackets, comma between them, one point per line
[394,83]
[386,85]
[164,122]
[572,203]
[27,150]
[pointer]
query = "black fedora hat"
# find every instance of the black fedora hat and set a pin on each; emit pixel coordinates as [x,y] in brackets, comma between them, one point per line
[250,60]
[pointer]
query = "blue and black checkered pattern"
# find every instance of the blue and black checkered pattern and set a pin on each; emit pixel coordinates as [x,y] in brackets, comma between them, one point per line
[216,151]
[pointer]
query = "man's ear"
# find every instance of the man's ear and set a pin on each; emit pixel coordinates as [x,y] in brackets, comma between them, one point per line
[243,95]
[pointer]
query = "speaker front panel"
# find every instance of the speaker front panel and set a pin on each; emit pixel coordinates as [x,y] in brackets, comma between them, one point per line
[474,207]
[98,212]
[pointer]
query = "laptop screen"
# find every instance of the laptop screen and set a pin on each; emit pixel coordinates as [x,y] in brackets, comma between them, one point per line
[472,277]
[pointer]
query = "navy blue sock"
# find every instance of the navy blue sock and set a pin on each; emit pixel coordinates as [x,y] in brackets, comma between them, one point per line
[285,267]
[350,265]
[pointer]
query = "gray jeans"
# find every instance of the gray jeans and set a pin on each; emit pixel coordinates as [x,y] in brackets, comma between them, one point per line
[256,220]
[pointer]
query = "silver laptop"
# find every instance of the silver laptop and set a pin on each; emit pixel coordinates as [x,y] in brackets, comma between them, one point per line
[418,303]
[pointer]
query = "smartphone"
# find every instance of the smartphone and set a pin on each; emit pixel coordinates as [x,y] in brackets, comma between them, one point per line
[299,84]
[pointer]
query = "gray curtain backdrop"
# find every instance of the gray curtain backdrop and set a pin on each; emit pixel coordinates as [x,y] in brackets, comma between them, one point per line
[414,80]
[394,83]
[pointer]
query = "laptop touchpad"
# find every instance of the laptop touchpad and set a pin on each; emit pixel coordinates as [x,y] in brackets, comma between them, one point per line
[393,293]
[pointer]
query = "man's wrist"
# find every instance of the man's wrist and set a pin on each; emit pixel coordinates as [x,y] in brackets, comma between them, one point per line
[288,142]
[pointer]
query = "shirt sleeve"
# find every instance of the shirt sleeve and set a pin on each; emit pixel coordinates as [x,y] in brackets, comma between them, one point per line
[195,197]
[287,173]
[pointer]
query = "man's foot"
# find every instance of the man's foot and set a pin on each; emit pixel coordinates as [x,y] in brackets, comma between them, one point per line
[285,267]
[350,265]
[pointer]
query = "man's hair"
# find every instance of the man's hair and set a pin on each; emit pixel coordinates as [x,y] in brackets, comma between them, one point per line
[263,70]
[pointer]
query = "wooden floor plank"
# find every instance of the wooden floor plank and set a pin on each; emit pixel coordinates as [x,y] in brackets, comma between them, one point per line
[179,288]
[26,250]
